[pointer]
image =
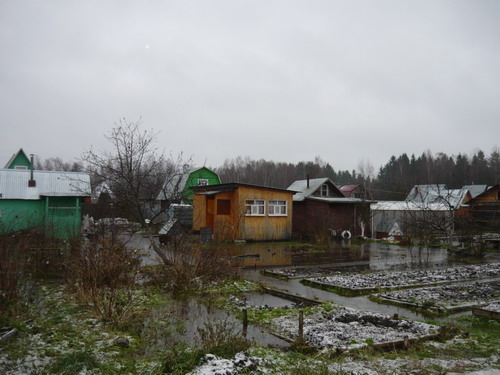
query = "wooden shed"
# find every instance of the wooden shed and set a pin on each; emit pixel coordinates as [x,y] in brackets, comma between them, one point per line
[237,211]
[321,209]
[483,211]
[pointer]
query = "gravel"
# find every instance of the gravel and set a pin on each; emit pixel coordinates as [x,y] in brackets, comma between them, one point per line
[347,328]
[389,280]
[445,297]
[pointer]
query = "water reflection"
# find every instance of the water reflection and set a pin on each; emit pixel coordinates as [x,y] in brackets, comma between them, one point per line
[180,320]
[374,256]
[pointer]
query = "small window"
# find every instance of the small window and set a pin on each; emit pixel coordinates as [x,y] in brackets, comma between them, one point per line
[223,207]
[277,208]
[255,207]
[20,167]
[202,181]
[324,190]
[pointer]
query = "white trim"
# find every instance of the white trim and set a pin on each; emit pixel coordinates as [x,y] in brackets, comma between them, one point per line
[277,205]
[327,188]
[203,182]
[253,206]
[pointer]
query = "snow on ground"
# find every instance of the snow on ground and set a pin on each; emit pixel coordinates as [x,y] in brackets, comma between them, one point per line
[447,296]
[269,362]
[407,278]
[494,306]
[347,328]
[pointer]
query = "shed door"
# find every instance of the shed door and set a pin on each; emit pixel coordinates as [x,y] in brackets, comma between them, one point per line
[210,211]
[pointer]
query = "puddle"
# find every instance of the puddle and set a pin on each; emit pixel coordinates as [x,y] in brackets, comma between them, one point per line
[253,257]
[263,300]
[179,321]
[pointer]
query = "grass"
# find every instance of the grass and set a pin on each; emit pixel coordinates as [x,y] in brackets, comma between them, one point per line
[68,339]
[75,362]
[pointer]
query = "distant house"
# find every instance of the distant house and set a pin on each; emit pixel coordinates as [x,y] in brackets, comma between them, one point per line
[44,200]
[396,218]
[483,210]
[236,211]
[438,193]
[354,191]
[19,161]
[176,188]
[435,204]
[320,208]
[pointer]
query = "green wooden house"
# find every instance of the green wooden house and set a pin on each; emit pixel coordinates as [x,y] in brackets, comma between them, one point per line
[47,201]
[177,188]
[19,161]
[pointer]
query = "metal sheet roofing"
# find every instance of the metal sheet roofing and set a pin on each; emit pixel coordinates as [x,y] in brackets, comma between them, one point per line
[341,200]
[408,206]
[14,184]
[303,191]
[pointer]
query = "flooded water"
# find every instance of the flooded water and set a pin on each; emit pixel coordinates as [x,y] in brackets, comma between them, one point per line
[254,257]
[186,317]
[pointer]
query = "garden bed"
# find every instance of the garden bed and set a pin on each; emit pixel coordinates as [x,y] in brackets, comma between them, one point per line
[444,299]
[491,311]
[346,329]
[367,283]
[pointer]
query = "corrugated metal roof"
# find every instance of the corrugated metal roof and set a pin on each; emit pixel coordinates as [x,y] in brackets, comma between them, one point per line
[174,185]
[14,184]
[303,191]
[476,190]
[408,206]
[340,200]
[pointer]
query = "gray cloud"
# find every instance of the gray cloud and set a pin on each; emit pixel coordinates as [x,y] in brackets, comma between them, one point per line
[282,80]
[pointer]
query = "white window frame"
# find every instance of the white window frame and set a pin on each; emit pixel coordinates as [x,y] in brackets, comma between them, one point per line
[255,207]
[22,167]
[278,207]
[324,190]
[203,182]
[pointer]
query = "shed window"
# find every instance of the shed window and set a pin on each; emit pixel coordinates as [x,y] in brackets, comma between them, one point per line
[20,167]
[324,190]
[255,207]
[277,208]
[223,207]
[202,181]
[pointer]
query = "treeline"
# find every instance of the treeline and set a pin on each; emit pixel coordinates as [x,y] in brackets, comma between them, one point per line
[279,174]
[393,181]
[400,174]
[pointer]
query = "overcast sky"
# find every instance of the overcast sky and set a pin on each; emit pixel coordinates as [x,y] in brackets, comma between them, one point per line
[280,80]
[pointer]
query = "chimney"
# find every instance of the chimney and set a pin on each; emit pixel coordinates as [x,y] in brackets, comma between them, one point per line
[308,181]
[32,182]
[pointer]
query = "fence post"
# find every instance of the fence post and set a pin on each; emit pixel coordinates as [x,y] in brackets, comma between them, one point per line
[301,325]
[245,322]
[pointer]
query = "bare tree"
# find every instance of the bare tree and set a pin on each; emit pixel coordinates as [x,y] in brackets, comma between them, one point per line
[136,172]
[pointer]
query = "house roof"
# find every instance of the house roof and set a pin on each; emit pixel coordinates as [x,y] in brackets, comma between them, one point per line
[303,191]
[174,185]
[408,206]
[475,190]
[102,187]
[214,189]
[345,200]
[14,156]
[14,184]
[430,194]
[484,192]
[348,189]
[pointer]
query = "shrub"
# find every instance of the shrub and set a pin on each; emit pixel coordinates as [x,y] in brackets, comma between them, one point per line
[103,273]
[194,267]
[221,339]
